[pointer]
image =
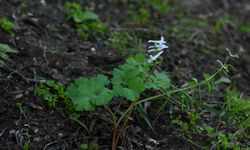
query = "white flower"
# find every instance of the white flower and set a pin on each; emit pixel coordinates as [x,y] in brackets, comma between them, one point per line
[43,2]
[159,46]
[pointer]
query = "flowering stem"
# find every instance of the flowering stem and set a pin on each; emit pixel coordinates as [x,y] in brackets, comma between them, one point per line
[167,93]
[127,113]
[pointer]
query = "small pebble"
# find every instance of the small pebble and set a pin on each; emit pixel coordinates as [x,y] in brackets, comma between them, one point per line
[37,139]
[60,135]
[93,49]
[13,131]
[35,129]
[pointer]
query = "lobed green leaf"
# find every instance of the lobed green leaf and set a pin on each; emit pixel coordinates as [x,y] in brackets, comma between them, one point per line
[87,93]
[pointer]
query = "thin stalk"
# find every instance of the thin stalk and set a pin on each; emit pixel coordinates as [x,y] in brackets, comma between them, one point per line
[114,139]
[199,95]
[167,93]
[110,111]
[116,135]
[124,114]
[195,144]
[119,106]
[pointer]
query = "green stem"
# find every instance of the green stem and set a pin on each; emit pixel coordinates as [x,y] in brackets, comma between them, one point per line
[193,143]
[129,110]
[119,106]
[167,93]
[199,94]
[109,110]
[124,114]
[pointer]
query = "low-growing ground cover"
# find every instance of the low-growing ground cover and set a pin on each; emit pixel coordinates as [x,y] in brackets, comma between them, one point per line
[86,74]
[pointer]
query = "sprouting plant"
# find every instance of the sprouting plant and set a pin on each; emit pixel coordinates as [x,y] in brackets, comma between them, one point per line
[125,43]
[193,117]
[5,50]
[223,22]
[212,85]
[85,20]
[53,92]
[222,140]
[91,146]
[21,109]
[74,11]
[191,122]
[145,9]
[26,146]
[142,16]
[160,6]
[182,126]
[6,25]
[238,110]
[199,22]
[245,27]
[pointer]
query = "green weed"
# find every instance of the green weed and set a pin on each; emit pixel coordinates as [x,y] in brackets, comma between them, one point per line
[53,93]
[86,21]
[223,21]
[23,5]
[245,27]
[92,146]
[7,25]
[124,43]
[160,6]
[5,50]
[26,146]
[142,16]
[143,10]
[21,109]
[238,111]
[199,22]
[217,139]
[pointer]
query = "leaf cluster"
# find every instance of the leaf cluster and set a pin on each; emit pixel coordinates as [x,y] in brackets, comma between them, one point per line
[53,92]
[238,109]
[88,93]
[6,25]
[162,7]
[86,21]
[128,82]
[125,43]
[141,15]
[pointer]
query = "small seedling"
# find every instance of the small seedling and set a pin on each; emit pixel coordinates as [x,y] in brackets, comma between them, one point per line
[85,20]
[199,22]
[91,146]
[23,5]
[141,16]
[21,109]
[53,93]
[125,43]
[5,50]
[245,28]
[160,6]
[7,25]
[26,146]
[223,21]
[238,111]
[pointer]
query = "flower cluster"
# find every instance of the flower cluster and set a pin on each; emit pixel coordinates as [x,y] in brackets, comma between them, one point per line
[157,48]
